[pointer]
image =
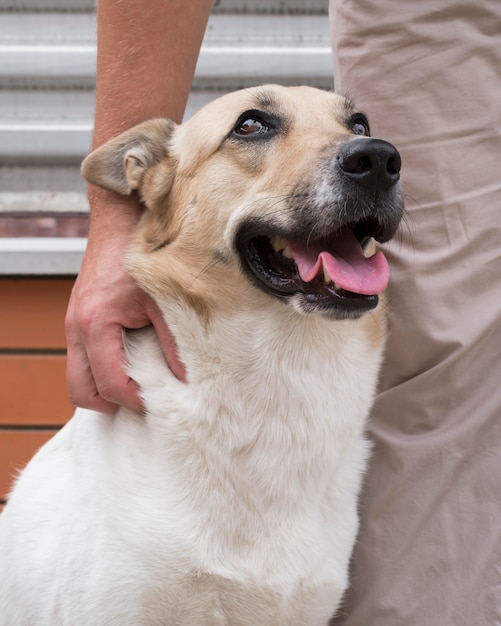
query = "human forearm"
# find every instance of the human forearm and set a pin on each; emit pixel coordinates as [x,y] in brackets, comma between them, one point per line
[147,54]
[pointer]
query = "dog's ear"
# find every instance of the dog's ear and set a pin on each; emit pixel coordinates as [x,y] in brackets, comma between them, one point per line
[120,164]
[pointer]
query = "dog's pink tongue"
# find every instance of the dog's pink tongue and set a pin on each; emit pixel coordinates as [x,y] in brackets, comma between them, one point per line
[343,258]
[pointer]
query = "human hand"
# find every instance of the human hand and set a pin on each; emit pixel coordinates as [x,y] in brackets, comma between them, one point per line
[104,301]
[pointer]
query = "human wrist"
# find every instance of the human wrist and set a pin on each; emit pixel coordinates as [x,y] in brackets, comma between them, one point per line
[111,214]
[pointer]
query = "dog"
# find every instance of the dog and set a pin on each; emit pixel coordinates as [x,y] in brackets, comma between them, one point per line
[233,499]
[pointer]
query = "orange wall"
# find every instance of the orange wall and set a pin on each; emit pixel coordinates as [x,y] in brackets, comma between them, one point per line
[33,398]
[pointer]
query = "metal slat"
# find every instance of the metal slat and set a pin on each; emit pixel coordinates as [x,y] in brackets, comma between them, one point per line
[41,256]
[53,142]
[43,201]
[24,179]
[31,66]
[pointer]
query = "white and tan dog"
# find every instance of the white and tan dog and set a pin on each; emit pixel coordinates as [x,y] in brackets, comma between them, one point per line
[233,500]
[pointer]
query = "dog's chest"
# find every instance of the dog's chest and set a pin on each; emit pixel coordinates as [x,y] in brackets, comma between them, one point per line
[253,527]
[216,601]
[246,493]
[265,538]
[273,584]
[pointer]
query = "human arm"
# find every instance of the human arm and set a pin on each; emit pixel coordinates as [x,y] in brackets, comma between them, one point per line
[147,53]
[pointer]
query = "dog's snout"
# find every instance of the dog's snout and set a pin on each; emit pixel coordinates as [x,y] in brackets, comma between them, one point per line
[373,163]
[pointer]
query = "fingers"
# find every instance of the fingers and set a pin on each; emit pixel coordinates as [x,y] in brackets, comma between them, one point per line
[81,384]
[95,372]
[106,356]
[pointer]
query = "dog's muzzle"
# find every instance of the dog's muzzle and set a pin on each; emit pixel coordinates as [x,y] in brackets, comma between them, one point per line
[322,263]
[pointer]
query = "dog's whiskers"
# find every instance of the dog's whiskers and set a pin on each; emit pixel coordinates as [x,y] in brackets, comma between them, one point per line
[206,269]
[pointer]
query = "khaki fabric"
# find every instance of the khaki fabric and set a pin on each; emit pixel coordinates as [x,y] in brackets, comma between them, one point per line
[428,73]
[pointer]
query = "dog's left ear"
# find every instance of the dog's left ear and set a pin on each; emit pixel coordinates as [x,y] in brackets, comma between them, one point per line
[120,164]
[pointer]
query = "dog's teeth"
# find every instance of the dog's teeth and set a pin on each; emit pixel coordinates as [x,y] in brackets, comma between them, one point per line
[280,244]
[328,280]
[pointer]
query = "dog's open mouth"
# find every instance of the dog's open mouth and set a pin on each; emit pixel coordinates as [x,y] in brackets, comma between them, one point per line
[332,272]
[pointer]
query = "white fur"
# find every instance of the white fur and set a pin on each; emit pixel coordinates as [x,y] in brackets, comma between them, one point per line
[250,474]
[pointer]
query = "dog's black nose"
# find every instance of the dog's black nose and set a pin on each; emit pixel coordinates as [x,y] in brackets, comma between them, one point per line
[373,163]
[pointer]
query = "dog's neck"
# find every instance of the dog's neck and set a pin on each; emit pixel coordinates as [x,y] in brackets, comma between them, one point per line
[271,401]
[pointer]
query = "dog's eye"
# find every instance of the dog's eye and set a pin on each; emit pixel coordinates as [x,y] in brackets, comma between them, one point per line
[359,125]
[251,124]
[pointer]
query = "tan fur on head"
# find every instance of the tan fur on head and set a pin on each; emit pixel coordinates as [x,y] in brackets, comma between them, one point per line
[201,181]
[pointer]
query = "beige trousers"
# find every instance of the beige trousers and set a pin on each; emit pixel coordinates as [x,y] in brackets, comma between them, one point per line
[428,73]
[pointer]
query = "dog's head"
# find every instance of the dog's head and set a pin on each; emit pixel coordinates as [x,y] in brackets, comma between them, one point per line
[271,192]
